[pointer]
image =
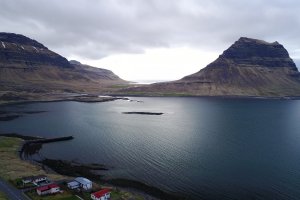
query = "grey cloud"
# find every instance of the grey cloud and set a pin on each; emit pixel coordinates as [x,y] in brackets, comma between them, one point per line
[98,28]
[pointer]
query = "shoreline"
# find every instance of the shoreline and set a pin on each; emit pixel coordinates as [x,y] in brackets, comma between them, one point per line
[213,97]
[83,99]
[113,97]
[72,169]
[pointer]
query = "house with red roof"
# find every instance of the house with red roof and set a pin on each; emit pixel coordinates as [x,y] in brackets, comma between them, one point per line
[103,194]
[48,189]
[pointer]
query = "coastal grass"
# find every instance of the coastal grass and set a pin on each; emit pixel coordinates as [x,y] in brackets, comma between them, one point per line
[12,167]
[2,196]
[118,86]
[19,184]
[120,194]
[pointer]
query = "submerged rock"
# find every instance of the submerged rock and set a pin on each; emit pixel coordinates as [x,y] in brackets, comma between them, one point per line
[144,113]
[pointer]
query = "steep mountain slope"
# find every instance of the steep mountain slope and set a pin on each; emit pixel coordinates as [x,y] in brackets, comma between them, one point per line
[28,66]
[249,67]
[94,72]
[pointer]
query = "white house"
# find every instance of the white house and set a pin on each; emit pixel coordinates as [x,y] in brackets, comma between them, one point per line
[84,183]
[80,182]
[48,189]
[103,194]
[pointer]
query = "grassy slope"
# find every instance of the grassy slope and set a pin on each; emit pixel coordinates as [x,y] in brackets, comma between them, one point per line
[230,81]
[12,167]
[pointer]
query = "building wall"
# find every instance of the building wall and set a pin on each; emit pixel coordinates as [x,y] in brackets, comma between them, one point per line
[43,192]
[105,197]
[87,186]
[73,187]
[54,190]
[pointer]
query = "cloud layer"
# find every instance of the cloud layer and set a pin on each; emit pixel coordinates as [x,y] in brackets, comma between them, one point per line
[93,29]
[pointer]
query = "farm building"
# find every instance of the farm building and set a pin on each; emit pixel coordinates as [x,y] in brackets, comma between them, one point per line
[48,189]
[80,182]
[103,194]
[84,183]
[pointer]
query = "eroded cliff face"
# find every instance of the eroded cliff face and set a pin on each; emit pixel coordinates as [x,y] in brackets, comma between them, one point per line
[249,67]
[251,52]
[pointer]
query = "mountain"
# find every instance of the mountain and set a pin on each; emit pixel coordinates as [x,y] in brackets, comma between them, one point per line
[249,67]
[94,72]
[27,66]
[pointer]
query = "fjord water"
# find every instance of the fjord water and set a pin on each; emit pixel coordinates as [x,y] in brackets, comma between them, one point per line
[204,148]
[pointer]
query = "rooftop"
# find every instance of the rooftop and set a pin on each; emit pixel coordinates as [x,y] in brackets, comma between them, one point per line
[47,187]
[101,192]
[73,183]
[83,180]
[39,176]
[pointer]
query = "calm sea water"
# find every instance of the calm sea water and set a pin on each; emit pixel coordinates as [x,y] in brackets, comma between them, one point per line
[202,147]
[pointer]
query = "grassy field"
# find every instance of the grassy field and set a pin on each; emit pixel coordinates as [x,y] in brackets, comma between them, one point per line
[2,196]
[120,195]
[12,167]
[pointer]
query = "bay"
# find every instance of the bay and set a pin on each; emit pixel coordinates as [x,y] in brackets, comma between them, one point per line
[205,148]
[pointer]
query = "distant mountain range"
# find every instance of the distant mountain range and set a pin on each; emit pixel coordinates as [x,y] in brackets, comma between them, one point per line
[248,68]
[28,66]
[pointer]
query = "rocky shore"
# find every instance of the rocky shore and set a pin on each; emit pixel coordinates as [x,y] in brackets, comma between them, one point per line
[21,98]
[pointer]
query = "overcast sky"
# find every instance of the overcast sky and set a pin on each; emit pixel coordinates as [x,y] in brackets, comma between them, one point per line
[151,39]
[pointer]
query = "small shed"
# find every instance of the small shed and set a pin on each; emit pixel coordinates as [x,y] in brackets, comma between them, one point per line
[48,189]
[103,194]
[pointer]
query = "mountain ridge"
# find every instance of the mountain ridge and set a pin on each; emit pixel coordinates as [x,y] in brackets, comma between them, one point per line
[28,67]
[249,67]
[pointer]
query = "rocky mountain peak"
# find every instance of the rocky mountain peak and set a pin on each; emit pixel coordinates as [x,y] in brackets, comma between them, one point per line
[249,67]
[249,52]
[18,51]
[248,48]
[27,67]
[19,39]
